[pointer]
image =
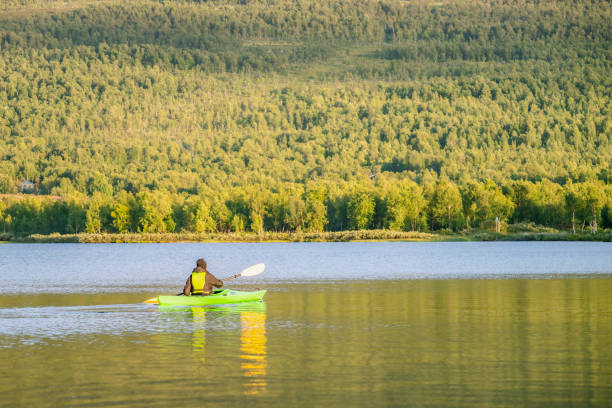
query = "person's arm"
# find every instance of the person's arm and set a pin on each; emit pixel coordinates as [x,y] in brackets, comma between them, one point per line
[212,280]
[187,288]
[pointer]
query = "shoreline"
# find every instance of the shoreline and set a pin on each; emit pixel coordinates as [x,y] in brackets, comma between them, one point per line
[339,236]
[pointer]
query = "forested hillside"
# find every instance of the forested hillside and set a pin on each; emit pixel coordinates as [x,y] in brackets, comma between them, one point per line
[305,115]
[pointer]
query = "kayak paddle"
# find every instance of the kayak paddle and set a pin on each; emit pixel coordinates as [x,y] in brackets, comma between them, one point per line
[250,271]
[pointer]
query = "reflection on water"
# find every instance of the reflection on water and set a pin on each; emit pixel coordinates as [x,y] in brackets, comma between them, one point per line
[253,350]
[379,327]
[199,334]
[469,343]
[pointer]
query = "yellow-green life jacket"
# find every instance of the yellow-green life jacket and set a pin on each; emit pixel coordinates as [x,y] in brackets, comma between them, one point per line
[197,282]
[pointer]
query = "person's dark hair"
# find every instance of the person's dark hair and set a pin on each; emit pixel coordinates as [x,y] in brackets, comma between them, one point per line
[201,263]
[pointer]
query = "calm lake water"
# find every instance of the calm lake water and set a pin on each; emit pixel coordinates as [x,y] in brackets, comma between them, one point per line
[343,324]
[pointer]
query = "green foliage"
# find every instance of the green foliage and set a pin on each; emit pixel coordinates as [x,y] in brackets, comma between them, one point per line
[445,210]
[170,95]
[606,214]
[3,216]
[155,212]
[405,205]
[121,218]
[396,204]
[237,223]
[485,202]
[199,217]
[593,200]
[161,116]
[76,217]
[93,223]
[360,210]
[315,210]
[99,184]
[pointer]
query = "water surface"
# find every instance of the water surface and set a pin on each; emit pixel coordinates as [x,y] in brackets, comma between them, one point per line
[347,324]
[103,268]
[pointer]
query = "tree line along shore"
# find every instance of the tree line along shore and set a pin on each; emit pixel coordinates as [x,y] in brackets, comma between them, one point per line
[325,210]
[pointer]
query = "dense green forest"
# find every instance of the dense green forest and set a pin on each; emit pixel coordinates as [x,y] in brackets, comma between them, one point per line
[284,115]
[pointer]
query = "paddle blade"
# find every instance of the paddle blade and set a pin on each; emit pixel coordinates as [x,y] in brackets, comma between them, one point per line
[253,270]
[151,301]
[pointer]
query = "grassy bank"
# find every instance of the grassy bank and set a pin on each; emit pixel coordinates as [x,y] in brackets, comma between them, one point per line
[605,236]
[340,236]
[231,237]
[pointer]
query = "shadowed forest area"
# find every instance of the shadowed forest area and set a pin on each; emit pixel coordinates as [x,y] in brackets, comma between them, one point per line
[229,116]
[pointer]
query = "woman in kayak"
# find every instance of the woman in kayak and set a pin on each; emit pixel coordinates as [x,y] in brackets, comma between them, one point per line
[201,282]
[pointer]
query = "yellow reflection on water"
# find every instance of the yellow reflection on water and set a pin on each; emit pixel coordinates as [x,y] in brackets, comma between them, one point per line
[199,335]
[253,351]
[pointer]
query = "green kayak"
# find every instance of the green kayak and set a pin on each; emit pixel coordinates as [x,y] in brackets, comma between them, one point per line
[219,297]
